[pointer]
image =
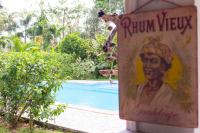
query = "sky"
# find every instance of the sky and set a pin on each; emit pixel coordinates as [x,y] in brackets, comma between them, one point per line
[32,5]
[18,6]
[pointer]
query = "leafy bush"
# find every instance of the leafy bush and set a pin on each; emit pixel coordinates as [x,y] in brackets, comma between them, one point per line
[29,82]
[83,69]
[65,61]
[74,44]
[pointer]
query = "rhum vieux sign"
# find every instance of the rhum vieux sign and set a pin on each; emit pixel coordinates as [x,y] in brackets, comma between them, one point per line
[161,22]
[157,56]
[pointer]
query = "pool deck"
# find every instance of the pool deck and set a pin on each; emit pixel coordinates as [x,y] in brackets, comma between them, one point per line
[91,120]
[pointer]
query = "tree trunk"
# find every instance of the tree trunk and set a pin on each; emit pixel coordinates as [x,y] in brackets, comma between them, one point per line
[63,23]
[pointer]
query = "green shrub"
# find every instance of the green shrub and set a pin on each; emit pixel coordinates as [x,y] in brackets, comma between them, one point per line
[74,44]
[65,61]
[29,82]
[83,69]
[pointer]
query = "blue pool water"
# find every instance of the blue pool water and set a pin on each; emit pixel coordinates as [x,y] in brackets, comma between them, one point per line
[101,95]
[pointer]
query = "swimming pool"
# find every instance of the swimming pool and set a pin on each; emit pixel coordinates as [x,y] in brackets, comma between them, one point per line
[98,94]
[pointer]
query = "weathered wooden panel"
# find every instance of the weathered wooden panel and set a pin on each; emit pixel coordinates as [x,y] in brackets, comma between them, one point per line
[158,66]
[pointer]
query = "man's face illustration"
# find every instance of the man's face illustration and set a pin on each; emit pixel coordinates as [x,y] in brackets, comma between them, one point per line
[153,66]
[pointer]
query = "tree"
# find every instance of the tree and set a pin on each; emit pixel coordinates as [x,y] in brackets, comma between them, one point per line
[10,24]
[67,17]
[48,32]
[25,23]
[111,6]
[7,23]
[92,24]
[2,19]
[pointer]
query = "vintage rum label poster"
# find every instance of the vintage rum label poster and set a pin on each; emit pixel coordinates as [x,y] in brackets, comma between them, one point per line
[157,54]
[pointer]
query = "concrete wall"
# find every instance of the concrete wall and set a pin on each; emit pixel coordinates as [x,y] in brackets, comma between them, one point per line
[131,5]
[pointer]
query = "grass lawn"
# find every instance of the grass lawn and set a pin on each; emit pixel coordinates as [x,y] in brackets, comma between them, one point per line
[4,129]
[23,128]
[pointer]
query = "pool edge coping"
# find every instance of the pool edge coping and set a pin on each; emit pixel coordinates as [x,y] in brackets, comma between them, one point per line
[89,81]
[94,110]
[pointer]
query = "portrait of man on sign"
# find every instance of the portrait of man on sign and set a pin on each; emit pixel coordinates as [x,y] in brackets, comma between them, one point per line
[156,60]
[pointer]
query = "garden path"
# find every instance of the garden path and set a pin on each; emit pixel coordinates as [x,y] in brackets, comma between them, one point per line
[91,120]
